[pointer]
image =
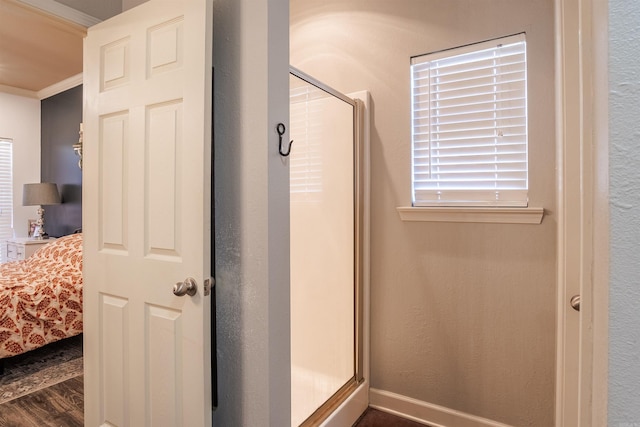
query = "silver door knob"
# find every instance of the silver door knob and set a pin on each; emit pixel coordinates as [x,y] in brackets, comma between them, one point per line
[188,287]
[575,302]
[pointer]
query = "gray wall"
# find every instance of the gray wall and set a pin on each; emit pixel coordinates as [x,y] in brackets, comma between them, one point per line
[624,162]
[101,9]
[462,315]
[251,191]
[61,115]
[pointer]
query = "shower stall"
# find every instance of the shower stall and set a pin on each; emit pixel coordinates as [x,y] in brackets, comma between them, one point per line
[327,252]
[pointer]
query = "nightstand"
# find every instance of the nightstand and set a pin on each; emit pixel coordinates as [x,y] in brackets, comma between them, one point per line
[23,248]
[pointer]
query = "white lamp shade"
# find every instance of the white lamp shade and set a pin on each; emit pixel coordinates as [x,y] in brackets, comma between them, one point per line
[40,194]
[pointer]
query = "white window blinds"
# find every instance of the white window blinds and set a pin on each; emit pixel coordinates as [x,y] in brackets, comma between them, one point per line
[306,107]
[6,194]
[469,125]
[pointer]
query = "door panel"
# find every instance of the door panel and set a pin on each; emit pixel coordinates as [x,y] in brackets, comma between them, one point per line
[147,214]
[324,251]
[113,199]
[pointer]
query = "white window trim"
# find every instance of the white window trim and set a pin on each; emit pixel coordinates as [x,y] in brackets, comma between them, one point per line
[496,215]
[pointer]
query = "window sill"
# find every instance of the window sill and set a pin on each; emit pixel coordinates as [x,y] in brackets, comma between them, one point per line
[478,215]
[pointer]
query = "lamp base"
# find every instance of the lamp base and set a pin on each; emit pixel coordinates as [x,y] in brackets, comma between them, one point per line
[39,233]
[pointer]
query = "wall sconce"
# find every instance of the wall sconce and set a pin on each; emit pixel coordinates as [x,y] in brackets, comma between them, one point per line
[78,147]
[40,194]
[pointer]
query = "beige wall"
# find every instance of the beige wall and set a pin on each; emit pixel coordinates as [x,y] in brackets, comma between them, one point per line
[462,315]
[20,121]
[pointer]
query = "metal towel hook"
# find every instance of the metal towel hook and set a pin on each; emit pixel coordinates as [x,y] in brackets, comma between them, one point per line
[281,129]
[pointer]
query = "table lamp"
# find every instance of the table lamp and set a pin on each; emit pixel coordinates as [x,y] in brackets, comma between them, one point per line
[40,194]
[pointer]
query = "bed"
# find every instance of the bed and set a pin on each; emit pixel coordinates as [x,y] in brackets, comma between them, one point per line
[41,297]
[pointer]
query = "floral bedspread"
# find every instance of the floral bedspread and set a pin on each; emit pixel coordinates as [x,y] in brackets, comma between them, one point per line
[41,297]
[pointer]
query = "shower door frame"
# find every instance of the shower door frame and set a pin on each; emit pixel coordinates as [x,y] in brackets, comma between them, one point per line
[326,409]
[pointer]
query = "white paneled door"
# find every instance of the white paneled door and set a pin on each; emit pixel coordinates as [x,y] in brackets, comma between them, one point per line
[146,197]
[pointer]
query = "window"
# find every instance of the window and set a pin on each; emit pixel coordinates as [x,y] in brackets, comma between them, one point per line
[469,125]
[6,194]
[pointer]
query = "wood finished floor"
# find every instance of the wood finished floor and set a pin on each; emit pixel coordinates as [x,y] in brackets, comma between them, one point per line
[375,418]
[60,405]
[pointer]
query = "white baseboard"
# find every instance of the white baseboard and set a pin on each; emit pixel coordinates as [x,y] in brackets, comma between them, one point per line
[426,413]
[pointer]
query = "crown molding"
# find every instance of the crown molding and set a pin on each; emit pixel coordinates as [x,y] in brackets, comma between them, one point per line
[56,88]
[18,92]
[47,92]
[62,11]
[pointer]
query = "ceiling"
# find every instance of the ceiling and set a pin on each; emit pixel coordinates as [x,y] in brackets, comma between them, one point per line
[37,50]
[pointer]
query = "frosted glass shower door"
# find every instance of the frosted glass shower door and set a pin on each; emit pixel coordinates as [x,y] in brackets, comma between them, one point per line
[322,247]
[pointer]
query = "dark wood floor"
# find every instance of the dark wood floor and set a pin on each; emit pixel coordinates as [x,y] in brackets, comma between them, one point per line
[60,405]
[375,418]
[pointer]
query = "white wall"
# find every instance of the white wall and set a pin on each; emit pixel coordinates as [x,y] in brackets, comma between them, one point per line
[20,121]
[251,96]
[462,315]
[624,167]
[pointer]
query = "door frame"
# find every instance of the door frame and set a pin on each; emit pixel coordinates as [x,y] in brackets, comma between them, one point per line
[582,171]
